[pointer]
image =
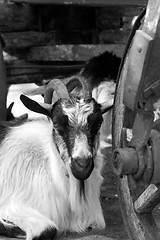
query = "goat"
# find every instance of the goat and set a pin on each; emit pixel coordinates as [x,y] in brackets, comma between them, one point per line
[50,169]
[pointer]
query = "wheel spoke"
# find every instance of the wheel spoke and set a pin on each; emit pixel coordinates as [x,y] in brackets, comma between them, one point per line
[148,200]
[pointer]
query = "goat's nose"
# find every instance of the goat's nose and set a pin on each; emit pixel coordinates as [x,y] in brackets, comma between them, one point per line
[83,162]
[82,167]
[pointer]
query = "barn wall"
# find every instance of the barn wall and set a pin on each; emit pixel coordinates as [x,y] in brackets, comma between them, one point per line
[41,34]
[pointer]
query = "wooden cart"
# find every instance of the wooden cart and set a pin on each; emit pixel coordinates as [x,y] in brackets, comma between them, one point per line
[136,157]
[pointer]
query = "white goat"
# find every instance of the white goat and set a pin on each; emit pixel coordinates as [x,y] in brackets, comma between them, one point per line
[50,170]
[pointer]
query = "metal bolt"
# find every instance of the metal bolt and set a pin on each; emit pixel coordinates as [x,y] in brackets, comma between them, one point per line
[139,49]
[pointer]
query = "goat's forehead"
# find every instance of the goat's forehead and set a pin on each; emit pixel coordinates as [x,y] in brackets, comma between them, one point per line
[78,111]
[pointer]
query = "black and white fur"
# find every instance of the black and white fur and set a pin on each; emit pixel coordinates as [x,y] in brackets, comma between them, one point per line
[50,170]
[39,191]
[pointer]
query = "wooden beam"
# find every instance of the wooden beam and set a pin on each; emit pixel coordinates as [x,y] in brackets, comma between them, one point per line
[21,72]
[22,40]
[113,36]
[3,88]
[70,52]
[88,2]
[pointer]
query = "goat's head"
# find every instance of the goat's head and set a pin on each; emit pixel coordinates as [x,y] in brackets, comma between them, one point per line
[76,123]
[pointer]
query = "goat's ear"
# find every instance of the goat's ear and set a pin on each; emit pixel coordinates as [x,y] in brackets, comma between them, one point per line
[32,105]
[106,106]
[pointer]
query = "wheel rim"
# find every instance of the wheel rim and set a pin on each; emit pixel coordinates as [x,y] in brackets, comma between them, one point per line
[138,226]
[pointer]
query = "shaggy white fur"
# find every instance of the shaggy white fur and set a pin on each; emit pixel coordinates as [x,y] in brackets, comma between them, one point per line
[38,190]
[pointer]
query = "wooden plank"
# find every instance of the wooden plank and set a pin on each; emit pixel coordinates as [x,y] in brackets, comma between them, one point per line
[151,27]
[21,40]
[113,36]
[28,78]
[70,52]
[88,2]
[19,71]
[148,199]
[3,88]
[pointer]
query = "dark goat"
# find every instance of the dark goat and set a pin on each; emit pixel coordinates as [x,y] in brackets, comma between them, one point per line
[101,68]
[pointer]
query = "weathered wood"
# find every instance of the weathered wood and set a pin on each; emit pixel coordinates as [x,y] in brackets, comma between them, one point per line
[113,36]
[148,199]
[108,17]
[70,52]
[151,26]
[132,11]
[28,78]
[145,49]
[87,2]
[21,40]
[17,17]
[136,68]
[27,73]
[139,226]
[3,88]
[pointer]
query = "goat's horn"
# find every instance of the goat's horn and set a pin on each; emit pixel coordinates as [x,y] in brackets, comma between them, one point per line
[73,83]
[59,87]
[86,88]
[80,81]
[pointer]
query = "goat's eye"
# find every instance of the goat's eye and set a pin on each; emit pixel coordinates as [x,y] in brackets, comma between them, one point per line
[94,124]
[63,120]
[60,119]
[61,123]
[95,121]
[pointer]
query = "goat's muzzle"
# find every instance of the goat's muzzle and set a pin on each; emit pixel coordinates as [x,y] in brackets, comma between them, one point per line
[82,167]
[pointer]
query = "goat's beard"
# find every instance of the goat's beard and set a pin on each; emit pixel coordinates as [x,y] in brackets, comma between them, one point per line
[82,189]
[77,193]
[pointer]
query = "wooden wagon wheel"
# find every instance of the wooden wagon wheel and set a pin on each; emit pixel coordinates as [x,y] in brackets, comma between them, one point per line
[134,161]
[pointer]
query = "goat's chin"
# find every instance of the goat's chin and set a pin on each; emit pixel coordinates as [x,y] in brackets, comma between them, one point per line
[81,173]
